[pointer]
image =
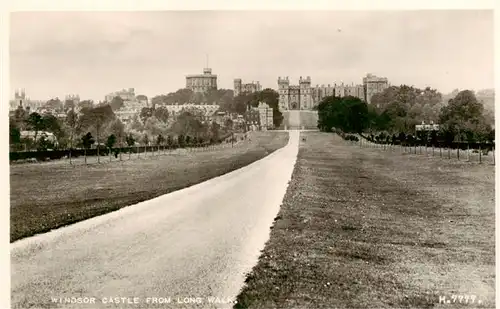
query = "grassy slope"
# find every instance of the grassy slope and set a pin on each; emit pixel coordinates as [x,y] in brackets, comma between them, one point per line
[51,195]
[363,228]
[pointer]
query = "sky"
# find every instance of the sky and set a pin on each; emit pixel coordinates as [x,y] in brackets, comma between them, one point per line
[91,54]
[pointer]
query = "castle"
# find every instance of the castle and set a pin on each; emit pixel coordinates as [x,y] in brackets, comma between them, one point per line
[125,94]
[305,97]
[239,87]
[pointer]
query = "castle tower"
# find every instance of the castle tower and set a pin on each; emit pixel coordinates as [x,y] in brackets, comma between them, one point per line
[373,84]
[237,86]
[284,92]
[306,101]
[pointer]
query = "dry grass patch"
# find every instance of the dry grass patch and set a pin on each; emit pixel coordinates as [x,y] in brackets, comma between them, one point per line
[50,195]
[363,228]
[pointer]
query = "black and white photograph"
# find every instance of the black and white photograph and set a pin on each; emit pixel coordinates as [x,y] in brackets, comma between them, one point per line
[239,158]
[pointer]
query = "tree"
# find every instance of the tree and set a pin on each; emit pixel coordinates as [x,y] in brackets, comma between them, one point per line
[181,140]
[145,139]
[356,114]
[86,104]
[464,115]
[35,123]
[146,112]
[110,142]
[73,123]
[116,103]
[54,104]
[53,124]
[97,118]
[170,140]
[154,127]
[87,141]
[214,130]
[161,113]
[160,139]
[160,100]
[241,104]
[20,118]
[136,124]
[225,99]
[118,129]
[187,124]
[130,140]
[349,114]
[228,124]
[14,133]
[44,144]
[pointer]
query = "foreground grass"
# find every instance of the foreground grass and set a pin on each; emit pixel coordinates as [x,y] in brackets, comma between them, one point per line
[48,196]
[364,228]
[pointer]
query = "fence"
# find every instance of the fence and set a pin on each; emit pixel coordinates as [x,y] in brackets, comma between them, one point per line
[471,151]
[17,156]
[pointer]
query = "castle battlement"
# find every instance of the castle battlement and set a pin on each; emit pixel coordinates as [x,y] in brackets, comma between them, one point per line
[305,97]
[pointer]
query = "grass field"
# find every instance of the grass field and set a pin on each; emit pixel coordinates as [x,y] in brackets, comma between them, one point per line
[364,228]
[49,195]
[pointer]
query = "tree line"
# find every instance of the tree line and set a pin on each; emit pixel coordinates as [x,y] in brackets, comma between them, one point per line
[393,114]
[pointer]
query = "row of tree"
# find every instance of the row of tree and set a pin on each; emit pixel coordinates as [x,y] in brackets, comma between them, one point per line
[397,110]
[101,123]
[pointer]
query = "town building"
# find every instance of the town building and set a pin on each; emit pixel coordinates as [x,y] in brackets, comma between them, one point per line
[22,100]
[239,87]
[252,119]
[205,112]
[125,94]
[202,82]
[75,99]
[126,114]
[305,97]
[266,116]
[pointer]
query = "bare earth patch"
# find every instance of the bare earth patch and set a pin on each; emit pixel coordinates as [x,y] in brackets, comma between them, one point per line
[50,195]
[366,228]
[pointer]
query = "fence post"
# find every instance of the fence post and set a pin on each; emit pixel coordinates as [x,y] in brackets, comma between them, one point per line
[440,151]
[480,153]
[468,152]
[458,152]
[449,153]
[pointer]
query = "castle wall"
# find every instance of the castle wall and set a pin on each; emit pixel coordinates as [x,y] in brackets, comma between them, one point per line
[306,97]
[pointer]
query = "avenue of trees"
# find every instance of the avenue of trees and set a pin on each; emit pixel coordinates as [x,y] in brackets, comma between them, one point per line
[394,113]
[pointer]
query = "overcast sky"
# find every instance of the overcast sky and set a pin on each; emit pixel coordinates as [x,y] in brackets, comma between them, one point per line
[92,54]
